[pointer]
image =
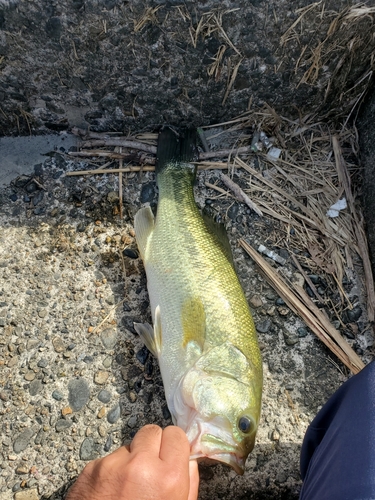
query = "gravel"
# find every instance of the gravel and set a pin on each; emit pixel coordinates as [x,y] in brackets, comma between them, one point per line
[79,393]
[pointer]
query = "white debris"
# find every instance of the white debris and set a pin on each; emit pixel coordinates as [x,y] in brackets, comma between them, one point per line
[271,254]
[274,153]
[334,210]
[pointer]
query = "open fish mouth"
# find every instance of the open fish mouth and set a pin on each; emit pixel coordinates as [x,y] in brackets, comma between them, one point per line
[234,461]
[210,449]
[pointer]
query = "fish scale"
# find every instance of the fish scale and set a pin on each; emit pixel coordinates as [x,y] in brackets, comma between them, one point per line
[204,336]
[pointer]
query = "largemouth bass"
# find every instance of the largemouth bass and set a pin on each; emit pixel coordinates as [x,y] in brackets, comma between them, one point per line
[203,334]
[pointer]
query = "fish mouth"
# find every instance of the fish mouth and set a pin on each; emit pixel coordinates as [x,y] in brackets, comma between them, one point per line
[213,443]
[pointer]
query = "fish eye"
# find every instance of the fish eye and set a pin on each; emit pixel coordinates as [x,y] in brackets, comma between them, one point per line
[245,425]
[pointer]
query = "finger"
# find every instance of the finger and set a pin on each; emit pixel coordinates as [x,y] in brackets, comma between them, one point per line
[174,446]
[147,440]
[194,480]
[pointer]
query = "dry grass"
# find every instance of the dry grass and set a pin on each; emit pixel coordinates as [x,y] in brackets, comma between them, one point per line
[317,167]
[331,63]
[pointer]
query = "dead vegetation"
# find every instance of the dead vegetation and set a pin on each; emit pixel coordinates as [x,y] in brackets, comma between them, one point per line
[331,63]
[314,166]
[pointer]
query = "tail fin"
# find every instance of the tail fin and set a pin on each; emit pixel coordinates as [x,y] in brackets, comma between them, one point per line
[175,147]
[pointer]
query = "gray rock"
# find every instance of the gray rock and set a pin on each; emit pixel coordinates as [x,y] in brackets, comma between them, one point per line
[62,424]
[132,422]
[302,331]
[108,443]
[57,395]
[43,363]
[35,387]
[290,338]
[147,193]
[40,437]
[22,440]
[264,325]
[104,396]
[79,393]
[114,414]
[89,449]
[109,338]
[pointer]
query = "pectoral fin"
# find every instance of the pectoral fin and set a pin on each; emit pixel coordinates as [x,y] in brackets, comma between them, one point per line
[151,337]
[143,225]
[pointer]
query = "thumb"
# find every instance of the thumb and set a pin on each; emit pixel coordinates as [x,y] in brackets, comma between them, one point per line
[194,480]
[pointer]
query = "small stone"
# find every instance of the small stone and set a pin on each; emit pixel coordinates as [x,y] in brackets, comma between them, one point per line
[353,315]
[275,436]
[132,254]
[112,197]
[22,440]
[281,477]
[101,412]
[79,393]
[109,338]
[104,396]
[283,311]
[66,411]
[43,363]
[30,375]
[58,344]
[62,424]
[108,443]
[142,355]
[35,387]
[132,397]
[166,412]
[22,469]
[89,449]
[302,332]
[42,313]
[255,301]
[147,193]
[264,325]
[132,422]
[57,395]
[279,302]
[101,377]
[107,362]
[30,494]
[102,431]
[114,414]
[290,338]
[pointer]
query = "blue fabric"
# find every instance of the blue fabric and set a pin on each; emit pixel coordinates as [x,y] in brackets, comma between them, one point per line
[338,451]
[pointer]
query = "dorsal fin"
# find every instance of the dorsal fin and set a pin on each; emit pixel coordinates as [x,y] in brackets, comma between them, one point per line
[218,230]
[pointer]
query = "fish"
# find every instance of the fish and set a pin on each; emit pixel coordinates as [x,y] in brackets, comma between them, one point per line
[203,334]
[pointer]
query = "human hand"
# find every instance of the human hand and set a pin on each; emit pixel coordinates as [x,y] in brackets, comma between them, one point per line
[155,466]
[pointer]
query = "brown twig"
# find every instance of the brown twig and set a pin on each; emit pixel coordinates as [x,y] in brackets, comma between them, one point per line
[303,306]
[240,195]
[345,182]
[307,279]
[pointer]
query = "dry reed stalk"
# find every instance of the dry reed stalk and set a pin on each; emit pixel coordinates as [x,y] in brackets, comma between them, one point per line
[303,306]
[345,182]
[240,195]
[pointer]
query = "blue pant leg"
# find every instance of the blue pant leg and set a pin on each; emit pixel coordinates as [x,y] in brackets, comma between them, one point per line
[338,451]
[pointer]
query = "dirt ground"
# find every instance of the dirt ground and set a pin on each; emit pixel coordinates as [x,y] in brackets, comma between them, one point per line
[120,65]
[76,381]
